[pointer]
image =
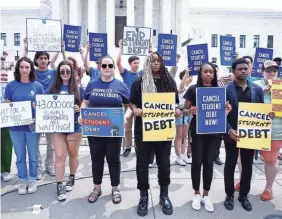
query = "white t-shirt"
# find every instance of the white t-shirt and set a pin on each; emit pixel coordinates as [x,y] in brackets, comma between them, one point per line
[180,95]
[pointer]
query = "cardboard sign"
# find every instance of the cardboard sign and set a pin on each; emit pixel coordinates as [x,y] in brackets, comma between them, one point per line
[211,115]
[54,114]
[158,116]
[72,37]
[262,55]
[136,41]
[99,46]
[44,35]
[197,55]
[254,126]
[102,122]
[276,97]
[167,47]
[15,114]
[227,50]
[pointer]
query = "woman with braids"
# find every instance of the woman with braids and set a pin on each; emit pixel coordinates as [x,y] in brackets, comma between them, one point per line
[155,79]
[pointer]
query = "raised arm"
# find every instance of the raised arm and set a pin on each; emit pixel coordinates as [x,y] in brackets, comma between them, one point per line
[25,48]
[55,57]
[86,63]
[81,52]
[119,65]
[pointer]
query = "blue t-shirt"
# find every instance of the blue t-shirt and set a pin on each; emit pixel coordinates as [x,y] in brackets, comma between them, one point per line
[17,91]
[106,94]
[45,78]
[129,77]
[94,74]
[253,79]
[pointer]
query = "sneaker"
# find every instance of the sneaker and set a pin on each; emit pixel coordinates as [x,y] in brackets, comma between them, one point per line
[39,173]
[61,192]
[150,165]
[6,177]
[126,152]
[22,188]
[70,183]
[196,204]
[179,161]
[185,159]
[208,205]
[32,186]
[50,170]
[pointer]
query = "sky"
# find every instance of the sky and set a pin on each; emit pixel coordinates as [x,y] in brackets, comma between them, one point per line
[258,4]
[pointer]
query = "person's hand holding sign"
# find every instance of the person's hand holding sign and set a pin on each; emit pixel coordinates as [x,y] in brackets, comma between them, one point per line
[88,47]
[138,112]
[228,107]
[76,108]
[63,45]
[178,112]
[271,115]
[120,42]
[193,110]
[233,135]
[267,89]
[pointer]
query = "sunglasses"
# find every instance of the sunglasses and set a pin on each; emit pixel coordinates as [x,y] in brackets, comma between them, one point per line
[109,65]
[268,70]
[62,72]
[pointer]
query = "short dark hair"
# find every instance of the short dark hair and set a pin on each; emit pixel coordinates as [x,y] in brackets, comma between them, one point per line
[132,59]
[248,57]
[277,59]
[38,54]
[17,74]
[238,62]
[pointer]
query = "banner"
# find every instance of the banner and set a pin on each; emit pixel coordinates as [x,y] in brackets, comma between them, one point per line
[262,55]
[102,122]
[167,47]
[280,73]
[136,41]
[276,97]
[197,55]
[211,115]
[158,116]
[72,38]
[44,35]
[99,46]
[227,50]
[54,113]
[15,114]
[254,126]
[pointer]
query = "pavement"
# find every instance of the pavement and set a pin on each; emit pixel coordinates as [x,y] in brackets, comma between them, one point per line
[14,206]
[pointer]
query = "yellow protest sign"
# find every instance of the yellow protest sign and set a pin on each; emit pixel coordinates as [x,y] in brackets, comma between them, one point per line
[276,97]
[254,126]
[158,116]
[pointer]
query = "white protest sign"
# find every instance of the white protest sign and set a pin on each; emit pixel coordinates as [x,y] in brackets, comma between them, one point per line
[54,113]
[43,35]
[1,47]
[136,41]
[15,114]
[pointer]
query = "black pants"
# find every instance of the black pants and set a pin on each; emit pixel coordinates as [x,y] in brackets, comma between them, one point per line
[247,156]
[109,147]
[203,153]
[144,152]
[217,152]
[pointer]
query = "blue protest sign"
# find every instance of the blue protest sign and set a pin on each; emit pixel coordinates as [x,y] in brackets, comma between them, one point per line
[99,46]
[197,55]
[211,116]
[262,55]
[3,87]
[72,37]
[167,47]
[280,73]
[227,50]
[102,122]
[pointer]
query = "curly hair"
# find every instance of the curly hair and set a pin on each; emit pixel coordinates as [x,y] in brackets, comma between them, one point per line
[17,73]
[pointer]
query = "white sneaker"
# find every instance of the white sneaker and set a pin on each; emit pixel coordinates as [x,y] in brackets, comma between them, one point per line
[208,205]
[6,177]
[185,159]
[179,161]
[39,173]
[150,165]
[196,204]
[22,188]
[32,186]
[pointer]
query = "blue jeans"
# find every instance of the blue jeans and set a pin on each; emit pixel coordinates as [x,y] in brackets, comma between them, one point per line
[21,140]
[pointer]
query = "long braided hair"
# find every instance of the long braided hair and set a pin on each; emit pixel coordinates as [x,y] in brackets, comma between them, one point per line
[148,85]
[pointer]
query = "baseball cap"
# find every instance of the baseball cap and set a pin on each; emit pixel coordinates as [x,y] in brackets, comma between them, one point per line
[269,64]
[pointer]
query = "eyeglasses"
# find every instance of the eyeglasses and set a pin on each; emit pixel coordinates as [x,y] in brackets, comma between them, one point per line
[268,70]
[62,72]
[109,65]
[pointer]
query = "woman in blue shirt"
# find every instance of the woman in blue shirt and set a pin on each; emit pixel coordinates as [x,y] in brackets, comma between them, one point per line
[108,92]
[67,143]
[25,88]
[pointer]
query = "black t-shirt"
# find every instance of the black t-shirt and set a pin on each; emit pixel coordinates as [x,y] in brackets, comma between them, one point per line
[136,99]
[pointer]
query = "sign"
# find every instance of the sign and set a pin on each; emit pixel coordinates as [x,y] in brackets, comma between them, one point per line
[99,46]
[44,35]
[211,115]
[3,87]
[280,73]
[276,97]
[197,55]
[15,114]
[227,50]
[72,37]
[158,116]
[167,47]
[254,126]
[262,55]
[136,41]
[102,122]
[1,47]
[54,113]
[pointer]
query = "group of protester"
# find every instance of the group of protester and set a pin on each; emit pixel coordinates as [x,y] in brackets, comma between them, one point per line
[104,90]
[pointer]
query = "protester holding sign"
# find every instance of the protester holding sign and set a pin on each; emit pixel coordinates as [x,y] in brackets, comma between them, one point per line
[25,88]
[270,71]
[94,73]
[67,143]
[155,79]
[204,146]
[105,92]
